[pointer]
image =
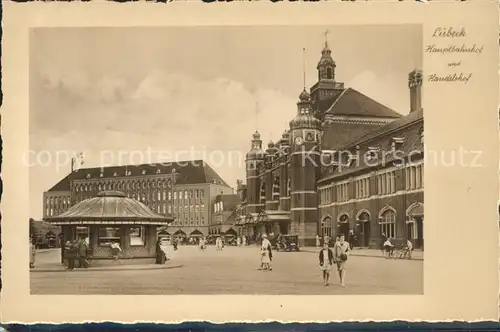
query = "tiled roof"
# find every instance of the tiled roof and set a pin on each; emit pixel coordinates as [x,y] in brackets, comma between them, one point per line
[188,172]
[390,127]
[354,103]
[407,129]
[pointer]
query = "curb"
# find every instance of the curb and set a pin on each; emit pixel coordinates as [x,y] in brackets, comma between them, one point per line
[366,255]
[92,269]
[41,251]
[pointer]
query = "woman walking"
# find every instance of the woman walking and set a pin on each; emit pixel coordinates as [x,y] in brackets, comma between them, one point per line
[265,254]
[341,252]
[326,262]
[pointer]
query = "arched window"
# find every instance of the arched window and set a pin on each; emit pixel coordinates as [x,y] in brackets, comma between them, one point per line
[288,187]
[326,227]
[388,223]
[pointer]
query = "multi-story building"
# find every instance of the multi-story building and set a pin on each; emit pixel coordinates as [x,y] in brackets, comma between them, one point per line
[347,165]
[224,214]
[186,190]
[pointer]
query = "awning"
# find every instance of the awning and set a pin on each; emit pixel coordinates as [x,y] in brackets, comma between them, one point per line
[230,231]
[196,233]
[270,216]
[180,233]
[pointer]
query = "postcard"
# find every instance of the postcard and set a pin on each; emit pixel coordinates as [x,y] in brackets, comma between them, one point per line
[250,162]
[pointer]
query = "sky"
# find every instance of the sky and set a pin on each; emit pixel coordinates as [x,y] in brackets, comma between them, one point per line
[148,94]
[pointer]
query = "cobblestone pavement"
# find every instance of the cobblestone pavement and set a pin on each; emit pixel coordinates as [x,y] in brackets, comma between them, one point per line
[234,271]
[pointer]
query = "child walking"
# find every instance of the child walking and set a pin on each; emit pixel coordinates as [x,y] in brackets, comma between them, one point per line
[326,262]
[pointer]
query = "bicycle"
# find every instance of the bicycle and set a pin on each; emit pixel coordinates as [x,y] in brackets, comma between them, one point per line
[404,253]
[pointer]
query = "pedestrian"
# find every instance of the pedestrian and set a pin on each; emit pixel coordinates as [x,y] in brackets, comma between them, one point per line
[70,251]
[341,252]
[266,254]
[409,248]
[351,239]
[115,250]
[326,262]
[32,253]
[238,241]
[244,240]
[317,241]
[161,258]
[202,243]
[62,245]
[83,251]
[383,238]
[389,248]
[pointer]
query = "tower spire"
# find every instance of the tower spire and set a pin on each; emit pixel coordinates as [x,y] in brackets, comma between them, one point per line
[257,110]
[304,66]
[326,32]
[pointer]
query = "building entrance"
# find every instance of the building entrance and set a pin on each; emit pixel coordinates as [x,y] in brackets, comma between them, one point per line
[415,230]
[343,226]
[364,221]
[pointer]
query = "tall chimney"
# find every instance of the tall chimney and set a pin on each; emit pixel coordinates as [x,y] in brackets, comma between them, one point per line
[415,85]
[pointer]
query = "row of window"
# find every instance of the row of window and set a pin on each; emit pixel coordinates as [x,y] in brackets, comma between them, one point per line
[386,184]
[414,177]
[387,223]
[162,192]
[362,188]
[219,206]
[121,185]
[276,188]
[342,192]
[106,236]
[186,221]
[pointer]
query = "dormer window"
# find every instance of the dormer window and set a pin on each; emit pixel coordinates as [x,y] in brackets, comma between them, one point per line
[397,143]
[114,174]
[88,175]
[143,171]
[128,173]
[101,175]
[158,171]
[372,153]
[353,160]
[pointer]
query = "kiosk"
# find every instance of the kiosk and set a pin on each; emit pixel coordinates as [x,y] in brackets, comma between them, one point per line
[109,218]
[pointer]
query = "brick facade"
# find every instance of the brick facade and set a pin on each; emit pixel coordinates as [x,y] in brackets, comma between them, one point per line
[362,196]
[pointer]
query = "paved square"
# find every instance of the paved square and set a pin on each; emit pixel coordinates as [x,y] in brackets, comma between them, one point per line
[234,271]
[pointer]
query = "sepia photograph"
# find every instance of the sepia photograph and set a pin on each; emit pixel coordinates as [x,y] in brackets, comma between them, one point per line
[250,163]
[226,160]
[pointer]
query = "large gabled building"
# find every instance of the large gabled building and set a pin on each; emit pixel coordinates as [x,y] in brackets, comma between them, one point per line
[315,180]
[186,190]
